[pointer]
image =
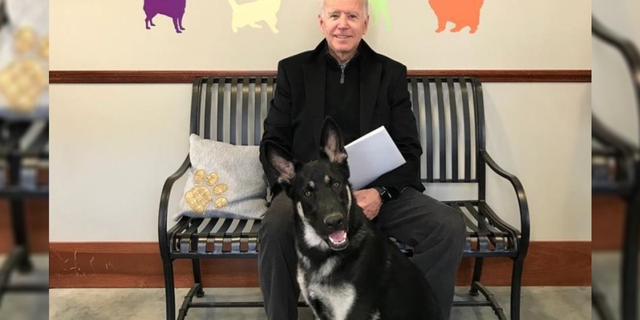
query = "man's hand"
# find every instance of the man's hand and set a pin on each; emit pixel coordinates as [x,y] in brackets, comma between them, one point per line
[370,202]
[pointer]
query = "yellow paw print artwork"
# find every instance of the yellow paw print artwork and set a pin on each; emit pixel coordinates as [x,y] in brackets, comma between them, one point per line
[205,191]
[23,81]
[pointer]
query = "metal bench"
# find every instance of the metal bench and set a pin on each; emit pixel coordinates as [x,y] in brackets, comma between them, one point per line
[615,169]
[24,151]
[232,109]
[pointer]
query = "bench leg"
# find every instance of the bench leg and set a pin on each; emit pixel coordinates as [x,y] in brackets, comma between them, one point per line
[169,288]
[18,216]
[630,260]
[516,285]
[477,273]
[197,277]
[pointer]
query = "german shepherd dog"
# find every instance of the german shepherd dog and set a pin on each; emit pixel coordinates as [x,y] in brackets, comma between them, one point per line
[347,268]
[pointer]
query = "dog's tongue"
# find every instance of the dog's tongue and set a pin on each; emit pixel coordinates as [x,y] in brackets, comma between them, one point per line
[338,236]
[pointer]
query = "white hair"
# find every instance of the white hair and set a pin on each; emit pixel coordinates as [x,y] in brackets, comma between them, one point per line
[366,7]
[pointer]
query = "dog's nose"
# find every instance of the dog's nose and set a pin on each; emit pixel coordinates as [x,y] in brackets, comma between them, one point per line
[334,221]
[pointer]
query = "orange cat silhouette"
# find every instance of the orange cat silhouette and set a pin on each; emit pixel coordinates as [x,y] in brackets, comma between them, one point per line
[461,12]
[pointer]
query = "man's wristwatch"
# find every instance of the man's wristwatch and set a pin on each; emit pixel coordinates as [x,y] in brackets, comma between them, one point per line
[385,195]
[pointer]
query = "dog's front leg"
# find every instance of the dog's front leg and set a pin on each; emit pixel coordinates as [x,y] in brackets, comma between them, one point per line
[149,20]
[271,22]
[458,27]
[442,24]
[175,25]
[180,23]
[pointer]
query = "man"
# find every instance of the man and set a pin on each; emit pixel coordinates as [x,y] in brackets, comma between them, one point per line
[362,90]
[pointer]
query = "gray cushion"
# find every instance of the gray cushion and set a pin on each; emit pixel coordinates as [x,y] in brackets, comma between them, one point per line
[225,181]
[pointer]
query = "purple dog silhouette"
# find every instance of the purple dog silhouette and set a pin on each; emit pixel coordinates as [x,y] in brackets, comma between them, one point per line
[171,8]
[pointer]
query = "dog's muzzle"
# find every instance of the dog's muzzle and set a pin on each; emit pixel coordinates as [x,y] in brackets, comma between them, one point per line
[338,236]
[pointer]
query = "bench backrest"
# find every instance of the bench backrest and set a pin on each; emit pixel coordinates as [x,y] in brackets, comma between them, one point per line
[448,110]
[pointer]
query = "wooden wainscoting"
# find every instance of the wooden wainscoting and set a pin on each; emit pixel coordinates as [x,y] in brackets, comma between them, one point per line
[37,221]
[138,265]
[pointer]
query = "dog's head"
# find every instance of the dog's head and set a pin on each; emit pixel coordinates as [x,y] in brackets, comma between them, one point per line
[319,189]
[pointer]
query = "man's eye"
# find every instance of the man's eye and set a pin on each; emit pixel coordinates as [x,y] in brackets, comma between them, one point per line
[307,193]
[336,185]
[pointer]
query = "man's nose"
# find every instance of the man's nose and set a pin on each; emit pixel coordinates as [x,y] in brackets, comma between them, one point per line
[342,22]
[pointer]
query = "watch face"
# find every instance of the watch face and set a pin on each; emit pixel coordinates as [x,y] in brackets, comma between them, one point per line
[384,194]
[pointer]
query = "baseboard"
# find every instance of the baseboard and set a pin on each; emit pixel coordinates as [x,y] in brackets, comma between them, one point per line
[607,222]
[36,219]
[138,265]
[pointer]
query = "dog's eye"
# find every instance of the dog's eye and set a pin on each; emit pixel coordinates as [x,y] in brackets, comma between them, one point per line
[307,193]
[336,185]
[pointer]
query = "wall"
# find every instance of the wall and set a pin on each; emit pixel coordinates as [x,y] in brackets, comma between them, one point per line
[112,146]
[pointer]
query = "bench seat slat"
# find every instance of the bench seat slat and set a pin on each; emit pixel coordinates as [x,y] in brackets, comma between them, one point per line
[223,236]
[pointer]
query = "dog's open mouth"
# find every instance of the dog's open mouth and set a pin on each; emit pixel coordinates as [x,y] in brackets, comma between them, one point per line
[338,240]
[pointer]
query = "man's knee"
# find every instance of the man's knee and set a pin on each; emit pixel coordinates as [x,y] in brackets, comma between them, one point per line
[445,226]
[450,227]
[277,224]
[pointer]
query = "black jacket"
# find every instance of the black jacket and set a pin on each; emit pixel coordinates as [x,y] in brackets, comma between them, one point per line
[297,111]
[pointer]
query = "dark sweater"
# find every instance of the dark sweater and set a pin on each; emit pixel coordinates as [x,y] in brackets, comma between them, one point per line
[342,100]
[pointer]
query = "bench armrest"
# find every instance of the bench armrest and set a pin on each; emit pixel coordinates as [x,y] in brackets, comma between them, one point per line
[164,200]
[525,223]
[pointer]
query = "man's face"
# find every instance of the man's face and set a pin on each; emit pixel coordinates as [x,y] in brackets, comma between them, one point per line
[343,23]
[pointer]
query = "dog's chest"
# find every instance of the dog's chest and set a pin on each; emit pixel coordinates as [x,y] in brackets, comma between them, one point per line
[336,298]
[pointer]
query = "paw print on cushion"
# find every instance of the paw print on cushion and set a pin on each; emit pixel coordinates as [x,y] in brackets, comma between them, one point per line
[220,189]
[220,202]
[198,177]
[202,194]
[23,81]
[198,198]
[212,179]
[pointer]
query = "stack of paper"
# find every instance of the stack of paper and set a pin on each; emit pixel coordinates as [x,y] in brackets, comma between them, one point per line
[371,156]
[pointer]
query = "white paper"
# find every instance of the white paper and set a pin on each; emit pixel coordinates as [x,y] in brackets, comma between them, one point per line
[371,156]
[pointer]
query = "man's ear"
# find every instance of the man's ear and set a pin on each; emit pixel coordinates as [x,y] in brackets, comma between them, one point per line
[281,161]
[332,143]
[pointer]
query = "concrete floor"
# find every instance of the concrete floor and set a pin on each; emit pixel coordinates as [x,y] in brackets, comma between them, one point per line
[102,304]
[564,303]
[27,306]
[605,275]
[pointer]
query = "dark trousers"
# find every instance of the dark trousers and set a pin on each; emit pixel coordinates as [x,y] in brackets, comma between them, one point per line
[433,229]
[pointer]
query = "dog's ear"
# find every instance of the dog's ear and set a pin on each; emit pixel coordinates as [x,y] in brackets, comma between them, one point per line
[332,143]
[281,161]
